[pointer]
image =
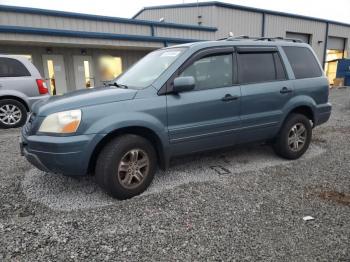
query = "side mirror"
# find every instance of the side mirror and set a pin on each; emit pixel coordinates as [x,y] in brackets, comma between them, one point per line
[183,84]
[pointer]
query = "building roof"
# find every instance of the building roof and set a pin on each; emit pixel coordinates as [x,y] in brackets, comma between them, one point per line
[239,7]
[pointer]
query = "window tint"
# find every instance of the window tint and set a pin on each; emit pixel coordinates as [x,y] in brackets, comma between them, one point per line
[280,72]
[11,68]
[258,67]
[211,72]
[303,62]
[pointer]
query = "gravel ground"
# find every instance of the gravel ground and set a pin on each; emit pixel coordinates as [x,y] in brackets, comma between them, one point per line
[238,204]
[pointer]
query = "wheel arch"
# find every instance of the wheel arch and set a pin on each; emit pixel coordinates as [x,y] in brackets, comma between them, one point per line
[144,132]
[305,110]
[18,99]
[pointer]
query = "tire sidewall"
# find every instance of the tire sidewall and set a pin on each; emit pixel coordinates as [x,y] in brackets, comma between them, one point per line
[282,144]
[21,108]
[111,181]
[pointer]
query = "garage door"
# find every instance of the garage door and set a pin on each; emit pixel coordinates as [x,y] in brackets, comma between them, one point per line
[335,43]
[303,37]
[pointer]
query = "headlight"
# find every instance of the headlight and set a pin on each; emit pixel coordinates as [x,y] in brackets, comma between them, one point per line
[66,122]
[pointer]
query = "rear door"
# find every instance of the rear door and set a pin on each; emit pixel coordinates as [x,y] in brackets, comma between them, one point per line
[265,91]
[208,116]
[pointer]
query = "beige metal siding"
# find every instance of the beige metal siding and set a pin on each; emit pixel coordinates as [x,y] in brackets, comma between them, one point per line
[278,26]
[238,22]
[181,33]
[54,22]
[185,15]
[13,38]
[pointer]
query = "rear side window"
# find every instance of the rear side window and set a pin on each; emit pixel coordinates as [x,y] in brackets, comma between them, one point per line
[10,67]
[303,62]
[260,67]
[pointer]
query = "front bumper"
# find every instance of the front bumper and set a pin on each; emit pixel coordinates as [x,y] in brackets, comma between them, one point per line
[67,155]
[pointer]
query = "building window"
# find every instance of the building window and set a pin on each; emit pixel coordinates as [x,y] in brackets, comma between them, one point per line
[87,74]
[51,72]
[110,67]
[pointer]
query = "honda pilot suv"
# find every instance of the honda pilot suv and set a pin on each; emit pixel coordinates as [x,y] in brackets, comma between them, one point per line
[181,100]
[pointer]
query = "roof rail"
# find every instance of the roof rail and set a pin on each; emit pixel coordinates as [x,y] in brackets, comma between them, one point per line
[245,37]
[294,40]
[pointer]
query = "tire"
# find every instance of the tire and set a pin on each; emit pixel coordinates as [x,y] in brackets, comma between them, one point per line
[114,177]
[291,142]
[12,113]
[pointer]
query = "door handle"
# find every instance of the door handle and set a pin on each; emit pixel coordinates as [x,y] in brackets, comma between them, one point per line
[229,97]
[285,90]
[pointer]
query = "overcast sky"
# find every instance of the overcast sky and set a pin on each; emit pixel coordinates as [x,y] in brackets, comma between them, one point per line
[338,10]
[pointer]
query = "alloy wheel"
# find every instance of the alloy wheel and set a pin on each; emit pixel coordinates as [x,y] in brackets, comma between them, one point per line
[297,137]
[10,114]
[133,168]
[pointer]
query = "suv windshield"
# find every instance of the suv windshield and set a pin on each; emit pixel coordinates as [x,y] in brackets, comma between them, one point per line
[149,68]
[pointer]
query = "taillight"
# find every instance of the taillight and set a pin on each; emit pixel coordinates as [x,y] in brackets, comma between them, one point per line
[42,86]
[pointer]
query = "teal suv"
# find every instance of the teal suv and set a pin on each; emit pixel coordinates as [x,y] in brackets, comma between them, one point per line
[181,100]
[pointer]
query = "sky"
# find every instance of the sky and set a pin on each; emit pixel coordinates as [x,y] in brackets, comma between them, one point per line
[337,10]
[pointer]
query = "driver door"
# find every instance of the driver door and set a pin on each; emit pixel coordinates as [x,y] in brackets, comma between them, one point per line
[208,116]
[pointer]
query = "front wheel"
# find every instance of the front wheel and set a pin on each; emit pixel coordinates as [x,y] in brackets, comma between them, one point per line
[294,137]
[126,166]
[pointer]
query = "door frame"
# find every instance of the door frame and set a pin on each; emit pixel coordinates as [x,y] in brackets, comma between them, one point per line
[91,68]
[45,58]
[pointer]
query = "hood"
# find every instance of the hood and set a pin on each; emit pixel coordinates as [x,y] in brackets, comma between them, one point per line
[82,98]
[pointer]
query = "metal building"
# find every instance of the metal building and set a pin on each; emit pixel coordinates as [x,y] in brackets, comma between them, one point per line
[329,39]
[73,50]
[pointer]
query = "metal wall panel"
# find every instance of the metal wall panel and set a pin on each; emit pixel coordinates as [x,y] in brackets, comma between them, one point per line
[45,21]
[180,33]
[188,15]
[12,38]
[238,22]
[279,25]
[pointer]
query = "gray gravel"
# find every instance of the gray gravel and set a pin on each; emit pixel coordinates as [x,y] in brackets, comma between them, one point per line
[239,204]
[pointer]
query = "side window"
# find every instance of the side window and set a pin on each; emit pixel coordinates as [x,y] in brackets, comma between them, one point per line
[260,67]
[280,72]
[211,71]
[10,67]
[303,62]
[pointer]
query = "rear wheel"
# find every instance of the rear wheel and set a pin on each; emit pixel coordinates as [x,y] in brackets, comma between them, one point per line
[294,137]
[12,113]
[126,166]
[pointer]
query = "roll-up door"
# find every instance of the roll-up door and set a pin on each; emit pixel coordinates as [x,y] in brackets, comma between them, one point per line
[335,43]
[303,37]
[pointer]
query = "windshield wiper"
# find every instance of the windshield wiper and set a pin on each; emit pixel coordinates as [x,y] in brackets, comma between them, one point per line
[118,85]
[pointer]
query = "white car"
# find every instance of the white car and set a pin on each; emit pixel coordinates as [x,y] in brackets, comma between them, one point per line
[20,86]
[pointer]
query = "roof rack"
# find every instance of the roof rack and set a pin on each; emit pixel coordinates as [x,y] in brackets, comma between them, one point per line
[245,37]
[294,40]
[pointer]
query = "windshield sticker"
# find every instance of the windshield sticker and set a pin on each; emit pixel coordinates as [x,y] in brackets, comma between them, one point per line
[172,53]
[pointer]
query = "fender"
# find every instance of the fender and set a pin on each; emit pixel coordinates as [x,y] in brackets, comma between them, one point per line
[14,93]
[297,101]
[115,122]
